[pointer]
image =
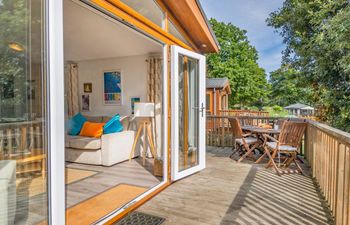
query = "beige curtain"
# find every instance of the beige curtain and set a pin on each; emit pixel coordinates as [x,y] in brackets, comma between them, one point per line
[155,95]
[72,89]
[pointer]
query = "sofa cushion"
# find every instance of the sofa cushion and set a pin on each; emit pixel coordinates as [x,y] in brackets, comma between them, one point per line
[85,143]
[76,123]
[92,129]
[94,119]
[113,125]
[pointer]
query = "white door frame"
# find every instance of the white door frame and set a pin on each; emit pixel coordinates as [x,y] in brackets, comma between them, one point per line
[55,103]
[175,174]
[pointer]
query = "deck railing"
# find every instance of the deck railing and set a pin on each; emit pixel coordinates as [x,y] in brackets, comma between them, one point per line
[235,112]
[328,152]
[326,149]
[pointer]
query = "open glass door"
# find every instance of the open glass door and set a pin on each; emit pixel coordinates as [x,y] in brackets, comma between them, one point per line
[188,112]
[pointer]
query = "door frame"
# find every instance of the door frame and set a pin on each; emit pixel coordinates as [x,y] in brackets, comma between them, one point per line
[175,174]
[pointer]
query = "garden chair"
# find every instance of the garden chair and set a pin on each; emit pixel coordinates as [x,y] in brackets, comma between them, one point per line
[288,144]
[245,141]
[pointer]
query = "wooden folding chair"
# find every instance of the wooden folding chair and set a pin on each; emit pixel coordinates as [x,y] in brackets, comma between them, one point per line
[288,143]
[244,141]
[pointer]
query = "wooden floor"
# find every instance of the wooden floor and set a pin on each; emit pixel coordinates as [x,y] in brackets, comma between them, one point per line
[132,173]
[227,192]
[30,210]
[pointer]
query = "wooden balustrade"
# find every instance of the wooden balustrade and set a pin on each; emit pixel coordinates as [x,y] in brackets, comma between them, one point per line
[219,131]
[19,137]
[250,113]
[328,152]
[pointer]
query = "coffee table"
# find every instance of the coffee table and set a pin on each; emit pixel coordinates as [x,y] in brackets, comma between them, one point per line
[28,163]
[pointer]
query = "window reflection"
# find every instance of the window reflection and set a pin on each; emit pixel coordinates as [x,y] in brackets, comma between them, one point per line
[23,198]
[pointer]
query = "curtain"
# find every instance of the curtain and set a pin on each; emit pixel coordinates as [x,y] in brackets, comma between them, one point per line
[155,95]
[72,89]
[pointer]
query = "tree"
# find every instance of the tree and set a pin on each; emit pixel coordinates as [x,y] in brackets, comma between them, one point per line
[287,87]
[317,36]
[237,60]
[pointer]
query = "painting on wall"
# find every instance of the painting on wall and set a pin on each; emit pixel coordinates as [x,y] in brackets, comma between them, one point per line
[88,87]
[133,101]
[85,102]
[112,88]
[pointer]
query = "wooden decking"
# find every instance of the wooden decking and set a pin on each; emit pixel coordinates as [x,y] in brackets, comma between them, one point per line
[227,192]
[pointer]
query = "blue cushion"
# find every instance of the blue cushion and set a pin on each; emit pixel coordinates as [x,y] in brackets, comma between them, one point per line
[113,125]
[75,124]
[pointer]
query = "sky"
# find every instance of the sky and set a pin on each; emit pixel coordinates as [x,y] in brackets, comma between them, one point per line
[251,15]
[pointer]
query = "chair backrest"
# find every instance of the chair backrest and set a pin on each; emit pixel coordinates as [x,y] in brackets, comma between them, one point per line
[291,133]
[236,128]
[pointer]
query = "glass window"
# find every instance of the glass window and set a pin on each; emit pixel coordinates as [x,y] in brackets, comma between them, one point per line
[23,183]
[147,8]
[174,31]
[208,101]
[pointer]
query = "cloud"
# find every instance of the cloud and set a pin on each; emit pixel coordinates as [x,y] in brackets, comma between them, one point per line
[251,15]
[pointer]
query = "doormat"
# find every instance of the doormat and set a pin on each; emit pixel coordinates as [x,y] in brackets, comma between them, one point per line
[139,218]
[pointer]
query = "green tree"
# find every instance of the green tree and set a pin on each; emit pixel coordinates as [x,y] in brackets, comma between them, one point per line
[13,64]
[287,87]
[317,35]
[237,60]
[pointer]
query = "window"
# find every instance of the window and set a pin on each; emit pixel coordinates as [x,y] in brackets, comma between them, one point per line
[23,183]
[208,102]
[147,8]
[174,31]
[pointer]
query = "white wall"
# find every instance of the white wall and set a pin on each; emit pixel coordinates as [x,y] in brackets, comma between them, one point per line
[134,82]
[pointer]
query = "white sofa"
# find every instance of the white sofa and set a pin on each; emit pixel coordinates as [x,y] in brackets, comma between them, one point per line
[7,192]
[107,150]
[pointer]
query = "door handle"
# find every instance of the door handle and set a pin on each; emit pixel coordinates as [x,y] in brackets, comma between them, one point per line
[200,109]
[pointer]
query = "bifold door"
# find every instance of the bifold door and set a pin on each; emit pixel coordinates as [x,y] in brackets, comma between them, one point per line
[188,112]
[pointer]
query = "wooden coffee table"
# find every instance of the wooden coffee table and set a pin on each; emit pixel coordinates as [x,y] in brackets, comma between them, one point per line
[28,163]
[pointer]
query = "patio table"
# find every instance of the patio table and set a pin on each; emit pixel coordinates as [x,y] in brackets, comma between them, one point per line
[259,133]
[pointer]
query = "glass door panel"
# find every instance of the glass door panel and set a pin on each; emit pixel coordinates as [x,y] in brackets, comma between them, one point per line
[23,120]
[188,101]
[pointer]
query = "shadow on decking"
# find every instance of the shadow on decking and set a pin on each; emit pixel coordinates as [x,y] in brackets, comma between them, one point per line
[266,198]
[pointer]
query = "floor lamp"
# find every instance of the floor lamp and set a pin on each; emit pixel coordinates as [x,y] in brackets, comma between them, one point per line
[143,114]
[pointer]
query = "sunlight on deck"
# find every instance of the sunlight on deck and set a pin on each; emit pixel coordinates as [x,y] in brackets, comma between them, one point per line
[227,192]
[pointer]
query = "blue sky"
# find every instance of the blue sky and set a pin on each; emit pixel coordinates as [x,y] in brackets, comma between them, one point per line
[250,15]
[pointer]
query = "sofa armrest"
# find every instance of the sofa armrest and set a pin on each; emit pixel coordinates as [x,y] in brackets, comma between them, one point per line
[116,147]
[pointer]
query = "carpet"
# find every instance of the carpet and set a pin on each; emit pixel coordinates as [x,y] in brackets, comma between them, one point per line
[92,209]
[37,185]
[139,218]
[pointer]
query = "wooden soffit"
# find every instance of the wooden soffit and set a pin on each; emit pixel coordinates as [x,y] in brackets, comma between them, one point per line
[193,21]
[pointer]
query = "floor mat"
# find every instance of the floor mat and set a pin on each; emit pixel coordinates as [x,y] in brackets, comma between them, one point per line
[92,209]
[139,218]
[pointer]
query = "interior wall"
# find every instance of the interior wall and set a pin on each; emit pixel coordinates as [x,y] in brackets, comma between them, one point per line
[134,83]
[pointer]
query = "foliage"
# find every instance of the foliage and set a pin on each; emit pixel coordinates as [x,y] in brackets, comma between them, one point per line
[13,14]
[237,60]
[287,87]
[317,34]
[276,111]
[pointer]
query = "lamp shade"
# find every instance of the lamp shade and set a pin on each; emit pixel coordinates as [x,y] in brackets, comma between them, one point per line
[144,109]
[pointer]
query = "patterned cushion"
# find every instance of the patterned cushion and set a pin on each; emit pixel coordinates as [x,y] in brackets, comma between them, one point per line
[248,140]
[273,145]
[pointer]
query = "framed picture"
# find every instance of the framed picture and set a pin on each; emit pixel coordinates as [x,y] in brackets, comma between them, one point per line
[85,102]
[112,81]
[133,101]
[88,87]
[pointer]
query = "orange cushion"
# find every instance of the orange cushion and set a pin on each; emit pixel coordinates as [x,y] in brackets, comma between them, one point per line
[92,129]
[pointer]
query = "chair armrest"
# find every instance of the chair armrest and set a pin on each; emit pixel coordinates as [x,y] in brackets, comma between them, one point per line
[268,137]
[247,134]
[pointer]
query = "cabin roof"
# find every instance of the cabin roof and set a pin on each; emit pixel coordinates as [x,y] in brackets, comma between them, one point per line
[299,106]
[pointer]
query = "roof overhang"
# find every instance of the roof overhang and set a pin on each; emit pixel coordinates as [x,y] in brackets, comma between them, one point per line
[194,22]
